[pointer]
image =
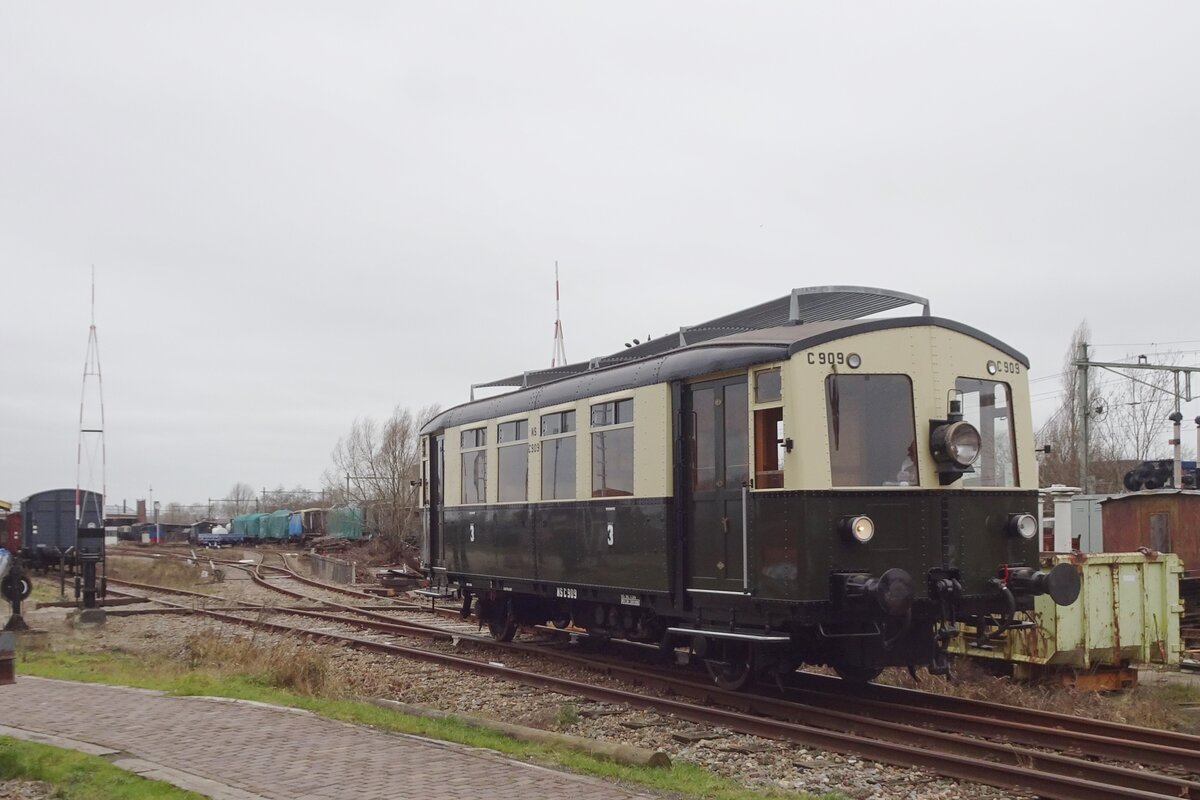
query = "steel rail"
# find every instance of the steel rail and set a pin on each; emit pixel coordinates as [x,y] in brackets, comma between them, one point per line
[909,698]
[1066,784]
[1119,743]
[898,716]
[1107,746]
[379,623]
[1119,747]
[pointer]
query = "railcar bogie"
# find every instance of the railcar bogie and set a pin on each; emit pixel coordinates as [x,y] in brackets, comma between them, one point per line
[803,490]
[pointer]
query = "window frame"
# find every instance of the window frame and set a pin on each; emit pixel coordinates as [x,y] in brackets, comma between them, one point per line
[619,423]
[865,468]
[758,408]
[517,427]
[974,480]
[462,468]
[543,450]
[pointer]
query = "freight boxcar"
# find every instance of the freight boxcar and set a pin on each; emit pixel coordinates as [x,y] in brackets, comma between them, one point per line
[48,524]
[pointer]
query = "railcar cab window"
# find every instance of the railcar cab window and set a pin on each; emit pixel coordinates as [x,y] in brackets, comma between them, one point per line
[768,429]
[474,465]
[872,430]
[512,461]
[558,456]
[612,449]
[986,405]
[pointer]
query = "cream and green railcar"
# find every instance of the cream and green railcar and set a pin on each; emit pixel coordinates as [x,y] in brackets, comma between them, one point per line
[774,488]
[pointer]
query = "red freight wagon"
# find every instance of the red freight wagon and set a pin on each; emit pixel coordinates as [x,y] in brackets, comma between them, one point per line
[1166,520]
[12,537]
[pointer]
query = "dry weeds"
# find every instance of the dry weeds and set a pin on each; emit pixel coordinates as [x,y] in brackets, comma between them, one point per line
[162,572]
[283,664]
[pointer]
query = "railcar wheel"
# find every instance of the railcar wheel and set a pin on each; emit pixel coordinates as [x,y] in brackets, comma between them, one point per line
[856,673]
[502,625]
[562,616]
[736,671]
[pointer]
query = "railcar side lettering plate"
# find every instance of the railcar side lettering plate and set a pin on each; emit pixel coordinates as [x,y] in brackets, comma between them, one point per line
[827,358]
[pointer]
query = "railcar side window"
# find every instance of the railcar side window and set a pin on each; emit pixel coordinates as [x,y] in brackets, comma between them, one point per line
[986,405]
[612,449]
[440,454]
[872,430]
[737,435]
[768,429]
[474,465]
[512,462]
[617,412]
[702,442]
[768,386]
[558,422]
[768,448]
[558,456]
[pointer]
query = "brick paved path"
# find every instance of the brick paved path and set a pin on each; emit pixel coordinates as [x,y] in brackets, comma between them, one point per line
[243,751]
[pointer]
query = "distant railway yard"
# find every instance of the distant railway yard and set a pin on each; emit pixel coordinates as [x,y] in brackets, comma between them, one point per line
[801,733]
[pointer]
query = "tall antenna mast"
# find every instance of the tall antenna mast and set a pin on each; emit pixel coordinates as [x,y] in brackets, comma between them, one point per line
[90,451]
[559,356]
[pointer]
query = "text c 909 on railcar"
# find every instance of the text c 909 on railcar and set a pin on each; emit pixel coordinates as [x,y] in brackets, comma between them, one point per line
[793,484]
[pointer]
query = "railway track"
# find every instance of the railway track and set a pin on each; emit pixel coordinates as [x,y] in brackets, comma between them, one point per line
[1052,755]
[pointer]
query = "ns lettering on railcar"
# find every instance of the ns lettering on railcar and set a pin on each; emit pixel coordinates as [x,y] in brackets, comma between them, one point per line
[791,484]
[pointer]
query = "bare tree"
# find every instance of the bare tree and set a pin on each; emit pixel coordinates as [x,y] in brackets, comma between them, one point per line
[292,499]
[1063,431]
[176,514]
[1141,405]
[1126,421]
[239,499]
[375,467]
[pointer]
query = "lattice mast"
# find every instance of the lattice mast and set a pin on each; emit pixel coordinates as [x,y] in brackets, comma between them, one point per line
[90,452]
[559,356]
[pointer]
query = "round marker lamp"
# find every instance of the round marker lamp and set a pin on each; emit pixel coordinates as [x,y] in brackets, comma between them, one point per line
[861,529]
[1023,525]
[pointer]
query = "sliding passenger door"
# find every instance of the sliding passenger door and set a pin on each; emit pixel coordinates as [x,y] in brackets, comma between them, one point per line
[716,456]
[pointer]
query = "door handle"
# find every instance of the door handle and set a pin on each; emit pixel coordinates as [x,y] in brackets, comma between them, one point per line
[725,524]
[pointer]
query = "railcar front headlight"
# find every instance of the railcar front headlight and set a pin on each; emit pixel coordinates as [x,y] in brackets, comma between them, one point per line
[1023,525]
[957,442]
[861,529]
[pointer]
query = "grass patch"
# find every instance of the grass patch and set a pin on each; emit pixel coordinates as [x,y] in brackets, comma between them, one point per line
[249,671]
[45,589]
[568,715]
[76,776]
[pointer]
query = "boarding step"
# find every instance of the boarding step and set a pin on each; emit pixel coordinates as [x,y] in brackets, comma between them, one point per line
[437,593]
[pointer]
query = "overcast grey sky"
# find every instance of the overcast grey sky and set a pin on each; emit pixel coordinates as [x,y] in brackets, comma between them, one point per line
[303,213]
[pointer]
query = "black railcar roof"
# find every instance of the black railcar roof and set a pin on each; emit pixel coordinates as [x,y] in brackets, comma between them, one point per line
[60,494]
[736,351]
